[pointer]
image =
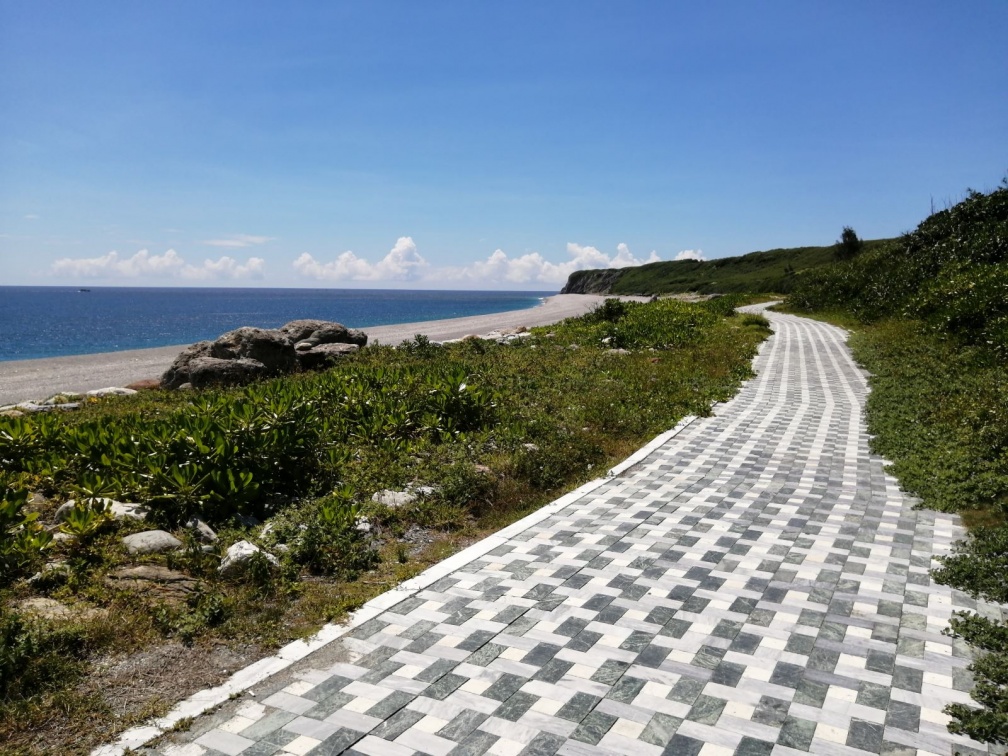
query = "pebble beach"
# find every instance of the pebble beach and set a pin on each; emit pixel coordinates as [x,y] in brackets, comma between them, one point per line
[27,380]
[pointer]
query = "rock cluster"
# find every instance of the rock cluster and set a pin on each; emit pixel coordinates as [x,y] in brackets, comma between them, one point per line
[66,400]
[246,354]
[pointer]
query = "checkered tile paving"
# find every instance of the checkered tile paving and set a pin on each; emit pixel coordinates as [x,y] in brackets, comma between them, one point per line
[756,585]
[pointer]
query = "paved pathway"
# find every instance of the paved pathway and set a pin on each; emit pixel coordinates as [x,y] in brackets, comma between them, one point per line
[754,584]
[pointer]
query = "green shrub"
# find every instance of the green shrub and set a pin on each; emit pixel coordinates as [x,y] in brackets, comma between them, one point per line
[22,539]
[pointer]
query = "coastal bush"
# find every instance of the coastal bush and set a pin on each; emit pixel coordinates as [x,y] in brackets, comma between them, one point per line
[22,538]
[950,272]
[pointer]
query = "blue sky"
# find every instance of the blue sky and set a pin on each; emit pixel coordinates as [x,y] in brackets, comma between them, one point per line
[477,145]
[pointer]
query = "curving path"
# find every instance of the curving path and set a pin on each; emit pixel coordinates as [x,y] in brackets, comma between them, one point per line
[750,583]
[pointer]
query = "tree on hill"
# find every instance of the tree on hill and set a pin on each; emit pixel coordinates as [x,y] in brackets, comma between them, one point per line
[848,246]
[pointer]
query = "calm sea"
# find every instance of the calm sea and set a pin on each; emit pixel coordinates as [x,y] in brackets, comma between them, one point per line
[55,321]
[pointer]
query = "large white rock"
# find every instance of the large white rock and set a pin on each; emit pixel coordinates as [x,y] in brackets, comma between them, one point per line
[237,557]
[151,542]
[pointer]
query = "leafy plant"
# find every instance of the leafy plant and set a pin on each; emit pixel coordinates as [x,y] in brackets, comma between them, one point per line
[86,518]
[22,539]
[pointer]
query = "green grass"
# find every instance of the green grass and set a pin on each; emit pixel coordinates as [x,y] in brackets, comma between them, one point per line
[497,430]
[774,270]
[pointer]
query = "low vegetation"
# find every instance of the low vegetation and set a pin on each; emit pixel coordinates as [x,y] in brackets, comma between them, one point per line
[931,313]
[479,433]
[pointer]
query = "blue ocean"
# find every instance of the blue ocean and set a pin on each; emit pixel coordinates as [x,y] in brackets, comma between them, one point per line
[51,321]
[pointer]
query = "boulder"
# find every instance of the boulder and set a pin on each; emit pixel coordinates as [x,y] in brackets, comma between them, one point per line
[271,348]
[151,542]
[215,371]
[316,332]
[248,353]
[323,355]
[238,555]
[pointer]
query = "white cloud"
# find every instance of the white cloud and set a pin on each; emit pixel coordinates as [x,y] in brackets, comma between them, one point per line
[690,254]
[402,263]
[145,265]
[533,267]
[226,267]
[237,241]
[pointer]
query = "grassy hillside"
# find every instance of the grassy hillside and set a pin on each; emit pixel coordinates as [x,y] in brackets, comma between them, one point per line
[931,313]
[774,270]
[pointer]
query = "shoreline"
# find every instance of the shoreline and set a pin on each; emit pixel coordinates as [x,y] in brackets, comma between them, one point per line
[36,379]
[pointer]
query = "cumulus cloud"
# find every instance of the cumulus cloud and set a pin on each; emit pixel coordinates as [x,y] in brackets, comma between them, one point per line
[237,241]
[534,268]
[226,267]
[168,265]
[690,254]
[402,263]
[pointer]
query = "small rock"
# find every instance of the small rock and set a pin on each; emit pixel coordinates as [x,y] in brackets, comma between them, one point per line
[118,510]
[531,447]
[11,413]
[61,537]
[31,407]
[618,351]
[166,583]
[151,542]
[483,469]
[127,511]
[145,385]
[363,525]
[45,607]
[393,499]
[247,521]
[203,531]
[111,391]
[237,557]
[48,608]
[421,490]
[63,398]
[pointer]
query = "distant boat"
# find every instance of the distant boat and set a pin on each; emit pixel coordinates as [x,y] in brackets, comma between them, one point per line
[87,290]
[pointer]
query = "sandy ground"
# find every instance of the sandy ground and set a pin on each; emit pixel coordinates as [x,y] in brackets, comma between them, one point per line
[25,380]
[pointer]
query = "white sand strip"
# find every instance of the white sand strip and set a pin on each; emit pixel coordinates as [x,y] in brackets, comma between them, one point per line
[24,380]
